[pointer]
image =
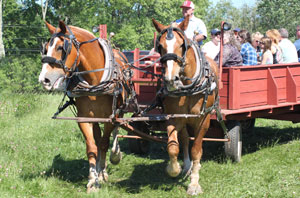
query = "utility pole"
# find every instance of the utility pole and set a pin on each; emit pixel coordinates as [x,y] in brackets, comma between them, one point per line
[2,50]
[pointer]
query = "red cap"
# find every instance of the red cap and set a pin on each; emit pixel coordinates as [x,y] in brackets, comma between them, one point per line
[188,4]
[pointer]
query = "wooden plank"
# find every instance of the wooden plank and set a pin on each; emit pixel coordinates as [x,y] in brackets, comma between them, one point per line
[253,98]
[234,88]
[291,86]
[255,85]
[272,98]
[295,70]
[253,73]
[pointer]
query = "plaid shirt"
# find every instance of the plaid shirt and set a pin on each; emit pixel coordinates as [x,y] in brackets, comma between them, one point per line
[249,54]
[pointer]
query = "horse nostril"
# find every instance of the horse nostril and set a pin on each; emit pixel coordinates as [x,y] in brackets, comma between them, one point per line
[46,81]
[176,78]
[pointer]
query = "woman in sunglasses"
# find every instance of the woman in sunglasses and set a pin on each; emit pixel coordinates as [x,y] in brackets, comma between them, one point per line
[267,57]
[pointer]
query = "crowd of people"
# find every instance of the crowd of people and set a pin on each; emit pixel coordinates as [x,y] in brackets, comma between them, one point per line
[240,47]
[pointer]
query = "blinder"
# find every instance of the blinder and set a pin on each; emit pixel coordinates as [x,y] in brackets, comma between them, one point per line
[170,36]
[66,49]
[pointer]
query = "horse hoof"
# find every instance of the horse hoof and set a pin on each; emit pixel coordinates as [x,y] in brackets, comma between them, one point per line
[93,186]
[115,158]
[194,190]
[92,189]
[103,177]
[173,171]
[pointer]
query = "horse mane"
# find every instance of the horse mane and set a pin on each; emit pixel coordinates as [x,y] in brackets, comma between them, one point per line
[82,33]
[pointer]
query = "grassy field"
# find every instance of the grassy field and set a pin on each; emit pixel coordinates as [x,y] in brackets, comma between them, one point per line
[41,157]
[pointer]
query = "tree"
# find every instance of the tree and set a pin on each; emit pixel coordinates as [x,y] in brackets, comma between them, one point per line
[275,14]
[2,49]
[44,9]
[244,18]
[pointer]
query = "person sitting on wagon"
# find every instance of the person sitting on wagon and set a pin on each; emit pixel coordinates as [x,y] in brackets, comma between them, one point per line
[297,43]
[274,35]
[231,54]
[195,24]
[236,32]
[247,51]
[267,57]
[212,48]
[289,52]
[256,40]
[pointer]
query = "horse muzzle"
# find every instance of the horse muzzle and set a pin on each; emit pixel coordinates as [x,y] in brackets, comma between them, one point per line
[173,85]
[53,82]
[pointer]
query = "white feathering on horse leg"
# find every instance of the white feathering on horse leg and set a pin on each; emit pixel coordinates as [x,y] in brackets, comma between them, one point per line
[93,184]
[115,155]
[194,188]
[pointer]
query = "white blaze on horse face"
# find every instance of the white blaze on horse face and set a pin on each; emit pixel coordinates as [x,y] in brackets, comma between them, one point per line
[49,53]
[170,63]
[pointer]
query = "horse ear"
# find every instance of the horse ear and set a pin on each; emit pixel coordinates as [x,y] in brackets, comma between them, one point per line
[62,27]
[50,27]
[159,27]
[184,24]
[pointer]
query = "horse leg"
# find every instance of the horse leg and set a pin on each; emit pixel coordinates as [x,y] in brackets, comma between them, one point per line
[194,188]
[103,148]
[184,141]
[173,168]
[115,155]
[92,152]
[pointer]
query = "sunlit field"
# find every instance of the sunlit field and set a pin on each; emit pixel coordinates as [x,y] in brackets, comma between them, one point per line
[42,157]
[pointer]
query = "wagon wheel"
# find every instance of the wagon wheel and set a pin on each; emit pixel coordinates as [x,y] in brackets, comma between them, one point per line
[247,125]
[233,148]
[139,146]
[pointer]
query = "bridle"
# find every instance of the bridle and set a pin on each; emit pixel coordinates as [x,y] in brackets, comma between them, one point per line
[173,56]
[68,39]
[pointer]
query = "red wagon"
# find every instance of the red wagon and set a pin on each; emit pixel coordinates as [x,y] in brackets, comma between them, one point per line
[246,93]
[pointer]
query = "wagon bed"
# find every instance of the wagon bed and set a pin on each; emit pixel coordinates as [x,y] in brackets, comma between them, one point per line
[246,92]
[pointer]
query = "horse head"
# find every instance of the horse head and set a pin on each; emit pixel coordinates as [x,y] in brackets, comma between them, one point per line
[58,58]
[172,45]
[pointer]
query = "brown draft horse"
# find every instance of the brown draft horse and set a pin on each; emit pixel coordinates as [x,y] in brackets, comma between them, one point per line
[70,50]
[190,87]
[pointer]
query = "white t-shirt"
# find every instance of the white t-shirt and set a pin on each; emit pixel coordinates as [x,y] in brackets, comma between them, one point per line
[211,50]
[195,24]
[289,51]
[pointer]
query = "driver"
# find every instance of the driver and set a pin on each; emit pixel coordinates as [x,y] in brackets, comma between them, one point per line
[195,24]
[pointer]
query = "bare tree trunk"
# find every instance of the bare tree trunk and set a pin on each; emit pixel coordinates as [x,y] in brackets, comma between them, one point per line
[2,50]
[44,9]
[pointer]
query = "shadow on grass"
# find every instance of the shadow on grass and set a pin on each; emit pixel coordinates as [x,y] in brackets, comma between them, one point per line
[260,137]
[152,176]
[75,171]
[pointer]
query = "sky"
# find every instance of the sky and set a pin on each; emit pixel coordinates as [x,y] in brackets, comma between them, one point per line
[238,3]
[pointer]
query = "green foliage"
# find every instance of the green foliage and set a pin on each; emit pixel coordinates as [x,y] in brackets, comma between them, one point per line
[23,27]
[19,74]
[130,20]
[275,14]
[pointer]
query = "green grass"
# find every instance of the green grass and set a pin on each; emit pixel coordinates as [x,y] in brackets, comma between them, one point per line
[41,157]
